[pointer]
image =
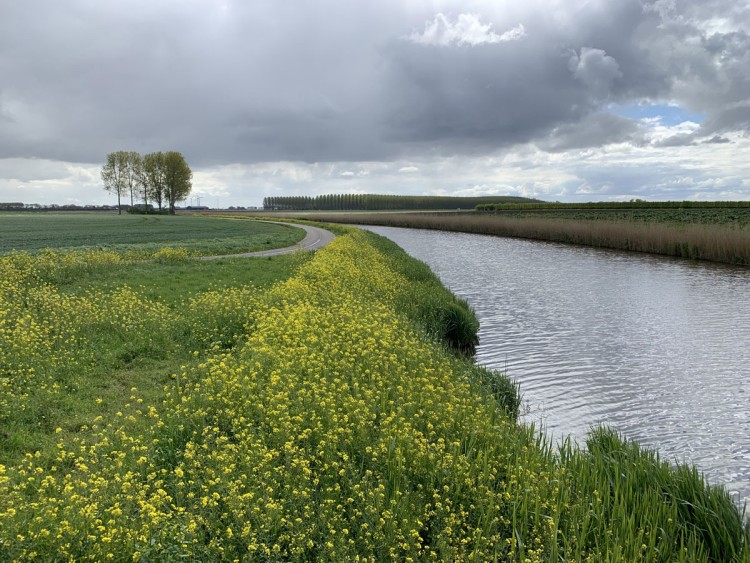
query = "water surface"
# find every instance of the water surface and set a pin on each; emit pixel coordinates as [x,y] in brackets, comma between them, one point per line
[657,348]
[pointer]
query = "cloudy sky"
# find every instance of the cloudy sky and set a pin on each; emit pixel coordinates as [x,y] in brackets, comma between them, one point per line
[569,100]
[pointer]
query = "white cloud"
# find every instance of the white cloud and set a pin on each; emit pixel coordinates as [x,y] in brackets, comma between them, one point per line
[467,29]
[514,34]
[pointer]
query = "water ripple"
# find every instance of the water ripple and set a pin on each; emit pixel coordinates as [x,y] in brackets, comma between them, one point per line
[654,347]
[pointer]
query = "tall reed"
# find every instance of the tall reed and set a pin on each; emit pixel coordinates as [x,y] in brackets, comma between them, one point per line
[704,242]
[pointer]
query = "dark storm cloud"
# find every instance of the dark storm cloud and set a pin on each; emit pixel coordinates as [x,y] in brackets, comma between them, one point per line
[716,140]
[223,82]
[594,130]
[704,49]
[680,140]
[330,80]
[499,94]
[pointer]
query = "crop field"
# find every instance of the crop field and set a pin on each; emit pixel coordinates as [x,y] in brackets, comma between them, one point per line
[326,414]
[738,217]
[140,233]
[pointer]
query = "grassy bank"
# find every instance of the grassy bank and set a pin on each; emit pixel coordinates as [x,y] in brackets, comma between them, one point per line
[327,418]
[703,241]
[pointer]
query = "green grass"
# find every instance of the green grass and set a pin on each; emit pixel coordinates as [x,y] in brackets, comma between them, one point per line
[202,235]
[445,317]
[659,512]
[173,283]
[119,361]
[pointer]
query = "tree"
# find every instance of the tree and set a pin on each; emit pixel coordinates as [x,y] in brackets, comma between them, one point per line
[133,166]
[177,179]
[114,175]
[154,183]
[142,183]
[161,177]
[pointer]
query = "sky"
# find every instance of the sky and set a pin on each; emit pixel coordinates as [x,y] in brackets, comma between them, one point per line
[562,100]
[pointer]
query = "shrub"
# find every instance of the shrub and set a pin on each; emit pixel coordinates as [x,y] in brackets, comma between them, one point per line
[459,327]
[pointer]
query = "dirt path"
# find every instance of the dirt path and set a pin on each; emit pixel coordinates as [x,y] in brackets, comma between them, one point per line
[314,239]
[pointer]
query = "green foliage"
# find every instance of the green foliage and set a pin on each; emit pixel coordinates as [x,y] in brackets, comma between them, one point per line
[505,390]
[177,178]
[652,506]
[114,175]
[460,326]
[146,210]
[733,214]
[429,303]
[161,177]
[153,179]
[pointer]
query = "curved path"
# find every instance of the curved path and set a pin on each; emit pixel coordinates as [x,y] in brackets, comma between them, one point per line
[314,239]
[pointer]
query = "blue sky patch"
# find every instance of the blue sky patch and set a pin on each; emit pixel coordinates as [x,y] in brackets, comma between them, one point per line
[668,115]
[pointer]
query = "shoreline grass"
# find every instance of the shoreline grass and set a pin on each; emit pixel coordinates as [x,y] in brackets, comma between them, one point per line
[328,420]
[716,243]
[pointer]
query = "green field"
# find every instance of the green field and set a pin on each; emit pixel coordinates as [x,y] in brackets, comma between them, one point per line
[201,235]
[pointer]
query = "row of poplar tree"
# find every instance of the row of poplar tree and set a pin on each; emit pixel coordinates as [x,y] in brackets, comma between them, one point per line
[378,202]
[161,178]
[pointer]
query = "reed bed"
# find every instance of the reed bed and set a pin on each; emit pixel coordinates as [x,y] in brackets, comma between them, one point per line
[696,241]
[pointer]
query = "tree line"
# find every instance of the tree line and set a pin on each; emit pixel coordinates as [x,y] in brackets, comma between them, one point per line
[161,178]
[377,202]
[20,206]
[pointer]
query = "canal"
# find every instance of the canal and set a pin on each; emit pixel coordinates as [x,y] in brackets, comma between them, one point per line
[654,347]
